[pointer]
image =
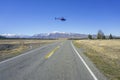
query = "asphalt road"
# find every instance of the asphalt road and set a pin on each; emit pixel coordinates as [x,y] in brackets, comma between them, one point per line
[57,61]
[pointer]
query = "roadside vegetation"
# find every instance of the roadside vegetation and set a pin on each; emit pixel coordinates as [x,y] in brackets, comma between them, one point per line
[10,48]
[105,54]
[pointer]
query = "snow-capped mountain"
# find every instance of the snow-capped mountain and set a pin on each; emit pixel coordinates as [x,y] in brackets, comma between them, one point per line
[60,35]
[55,35]
[15,36]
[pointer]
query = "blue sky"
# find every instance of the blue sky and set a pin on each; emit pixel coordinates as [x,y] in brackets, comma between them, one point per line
[37,16]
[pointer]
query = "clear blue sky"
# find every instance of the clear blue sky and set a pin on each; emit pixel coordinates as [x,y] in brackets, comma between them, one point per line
[37,16]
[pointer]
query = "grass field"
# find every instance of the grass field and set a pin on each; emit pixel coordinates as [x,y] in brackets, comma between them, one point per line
[10,48]
[105,54]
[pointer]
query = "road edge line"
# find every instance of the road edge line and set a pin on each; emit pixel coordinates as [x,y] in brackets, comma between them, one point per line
[23,54]
[90,71]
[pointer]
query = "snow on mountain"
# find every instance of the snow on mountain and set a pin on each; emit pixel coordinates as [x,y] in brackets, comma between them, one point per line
[8,35]
[55,34]
[60,35]
[15,36]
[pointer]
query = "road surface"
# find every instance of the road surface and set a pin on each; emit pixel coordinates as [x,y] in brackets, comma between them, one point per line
[57,61]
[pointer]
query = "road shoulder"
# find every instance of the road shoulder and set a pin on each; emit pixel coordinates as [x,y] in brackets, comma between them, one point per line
[98,74]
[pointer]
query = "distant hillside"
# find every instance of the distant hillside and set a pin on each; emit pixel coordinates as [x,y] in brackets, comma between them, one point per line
[14,36]
[2,37]
[53,35]
[60,35]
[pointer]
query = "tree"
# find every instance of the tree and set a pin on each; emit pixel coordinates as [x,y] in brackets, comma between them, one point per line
[100,35]
[89,36]
[2,37]
[104,37]
[110,36]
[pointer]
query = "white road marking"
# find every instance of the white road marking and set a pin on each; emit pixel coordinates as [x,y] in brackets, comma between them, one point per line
[93,75]
[12,58]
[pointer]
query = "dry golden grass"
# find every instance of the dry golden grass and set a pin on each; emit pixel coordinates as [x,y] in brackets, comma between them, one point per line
[20,46]
[24,41]
[105,54]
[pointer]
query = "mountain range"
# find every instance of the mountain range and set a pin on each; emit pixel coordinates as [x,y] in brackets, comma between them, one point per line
[53,35]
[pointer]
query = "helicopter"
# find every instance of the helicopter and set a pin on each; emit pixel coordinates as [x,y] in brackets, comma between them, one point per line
[60,18]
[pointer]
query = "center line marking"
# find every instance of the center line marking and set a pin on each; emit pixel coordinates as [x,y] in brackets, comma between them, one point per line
[52,52]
